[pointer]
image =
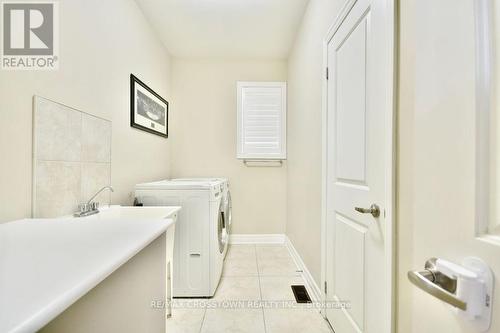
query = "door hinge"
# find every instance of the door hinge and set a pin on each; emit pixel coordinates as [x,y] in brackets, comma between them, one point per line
[326,289]
[327,73]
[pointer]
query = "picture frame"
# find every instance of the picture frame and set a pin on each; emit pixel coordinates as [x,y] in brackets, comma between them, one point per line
[148,110]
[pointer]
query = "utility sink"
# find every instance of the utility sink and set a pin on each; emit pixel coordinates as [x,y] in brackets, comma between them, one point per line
[46,265]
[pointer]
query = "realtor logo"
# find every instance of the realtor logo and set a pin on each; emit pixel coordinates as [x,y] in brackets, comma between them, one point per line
[30,35]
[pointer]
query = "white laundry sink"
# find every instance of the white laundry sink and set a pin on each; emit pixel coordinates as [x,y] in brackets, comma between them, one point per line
[48,264]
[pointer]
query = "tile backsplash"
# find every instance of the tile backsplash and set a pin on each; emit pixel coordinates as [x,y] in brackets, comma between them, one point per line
[71,158]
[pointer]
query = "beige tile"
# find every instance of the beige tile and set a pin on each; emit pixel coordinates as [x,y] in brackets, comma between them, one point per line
[57,188]
[96,139]
[94,177]
[277,267]
[295,321]
[58,131]
[190,303]
[272,252]
[241,251]
[240,267]
[185,320]
[238,288]
[278,288]
[233,321]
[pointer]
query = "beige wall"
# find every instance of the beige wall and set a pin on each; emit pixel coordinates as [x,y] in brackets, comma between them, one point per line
[405,164]
[305,73]
[101,43]
[203,116]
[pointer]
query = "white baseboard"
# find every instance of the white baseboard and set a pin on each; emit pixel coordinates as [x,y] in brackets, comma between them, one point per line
[311,285]
[257,239]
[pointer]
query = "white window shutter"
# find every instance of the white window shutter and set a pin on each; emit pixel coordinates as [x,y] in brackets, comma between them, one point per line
[261,120]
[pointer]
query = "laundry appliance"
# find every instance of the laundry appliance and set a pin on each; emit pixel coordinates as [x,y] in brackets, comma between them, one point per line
[200,237]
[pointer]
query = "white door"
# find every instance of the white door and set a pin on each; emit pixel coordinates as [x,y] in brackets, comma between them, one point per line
[449,138]
[358,162]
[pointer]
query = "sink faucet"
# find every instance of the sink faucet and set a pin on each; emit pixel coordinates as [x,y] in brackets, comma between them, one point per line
[98,192]
[91,207]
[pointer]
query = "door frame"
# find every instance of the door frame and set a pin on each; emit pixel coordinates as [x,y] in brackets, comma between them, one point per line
[390,157]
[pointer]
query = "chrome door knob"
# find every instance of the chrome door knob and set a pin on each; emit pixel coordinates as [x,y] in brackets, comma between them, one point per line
[374,210]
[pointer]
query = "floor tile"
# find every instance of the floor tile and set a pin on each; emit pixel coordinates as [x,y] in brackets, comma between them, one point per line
[241,251]
[251,273]
[238,288]
[185,320]
[272,252]
[240,267]
[278,288]
[233,321]
[277,267]
[189,303]
[295,321]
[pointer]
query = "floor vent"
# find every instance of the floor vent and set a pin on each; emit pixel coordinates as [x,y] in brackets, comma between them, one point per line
[301,295]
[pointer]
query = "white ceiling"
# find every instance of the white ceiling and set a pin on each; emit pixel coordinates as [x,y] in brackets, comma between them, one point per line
[226,28]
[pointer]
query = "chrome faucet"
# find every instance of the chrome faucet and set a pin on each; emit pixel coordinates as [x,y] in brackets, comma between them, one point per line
[91,207]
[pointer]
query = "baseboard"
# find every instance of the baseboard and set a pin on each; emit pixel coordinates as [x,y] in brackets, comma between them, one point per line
[311,285]
[257,239]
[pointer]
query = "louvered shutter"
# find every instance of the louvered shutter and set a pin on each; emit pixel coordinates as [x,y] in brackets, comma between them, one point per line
[261,120]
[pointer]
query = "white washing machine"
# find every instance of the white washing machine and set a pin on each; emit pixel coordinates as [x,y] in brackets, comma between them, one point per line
[226,199]
[200,237]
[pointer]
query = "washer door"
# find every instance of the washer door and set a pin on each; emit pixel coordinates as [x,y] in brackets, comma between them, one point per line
[228,216]
[221,230]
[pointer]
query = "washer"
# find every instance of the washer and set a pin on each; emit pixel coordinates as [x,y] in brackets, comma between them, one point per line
[226,199]
[200,237]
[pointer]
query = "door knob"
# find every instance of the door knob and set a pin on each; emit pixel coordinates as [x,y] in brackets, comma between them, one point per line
[374,210]
[467,287]
[438,284]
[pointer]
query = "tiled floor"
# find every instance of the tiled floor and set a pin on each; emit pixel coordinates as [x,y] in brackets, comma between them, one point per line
[260,277]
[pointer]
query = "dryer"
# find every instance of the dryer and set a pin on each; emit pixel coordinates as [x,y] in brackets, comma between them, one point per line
[200,236]
[226,199]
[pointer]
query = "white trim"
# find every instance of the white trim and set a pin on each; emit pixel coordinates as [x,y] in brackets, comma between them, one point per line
[324,140]
[257,239]
[486,230]
[483,113]
[390,158]
[311,285]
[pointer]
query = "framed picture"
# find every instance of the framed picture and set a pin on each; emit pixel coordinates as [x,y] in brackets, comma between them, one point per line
[148,110]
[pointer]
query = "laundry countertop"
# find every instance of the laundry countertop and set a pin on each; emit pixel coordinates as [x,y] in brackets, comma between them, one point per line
[48,264]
